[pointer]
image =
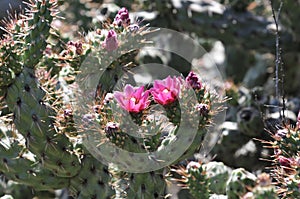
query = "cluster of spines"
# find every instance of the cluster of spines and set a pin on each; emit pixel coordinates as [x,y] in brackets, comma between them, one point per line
[263,188]
[173,113]
[239,183]
[215,180]
[194,178]
[146,185]
[56,163]
[56,157]
[286,169]
[38,23]
[34,119]
[10,65]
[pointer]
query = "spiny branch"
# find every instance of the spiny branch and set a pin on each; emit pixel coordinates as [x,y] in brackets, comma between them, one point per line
[278,59]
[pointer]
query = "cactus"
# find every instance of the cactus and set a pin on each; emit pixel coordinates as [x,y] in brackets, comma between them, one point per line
[239,182]
[245,28]
[194,178]
[44,149]
[263,188]
[285,168]
[203,180]
[218,175]
[233,21]
[147,185]
[56,163]
[213,179]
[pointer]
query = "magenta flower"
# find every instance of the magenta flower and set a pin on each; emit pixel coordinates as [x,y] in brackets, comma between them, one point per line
[166,91]
[122,18]
[133,99]
[111,41]
[193,80]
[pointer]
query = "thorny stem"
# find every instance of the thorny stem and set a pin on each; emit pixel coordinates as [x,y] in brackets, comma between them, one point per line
[278,61]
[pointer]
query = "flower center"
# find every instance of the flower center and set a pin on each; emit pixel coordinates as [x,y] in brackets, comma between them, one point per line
[133,99]
[166,90]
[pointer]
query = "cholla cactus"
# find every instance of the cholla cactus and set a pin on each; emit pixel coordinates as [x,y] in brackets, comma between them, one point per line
[41,141]
[137,102]
[239,182]
[194,178]
[286,161]
[218,174]
[203,180]
[263,189]
[42,146]
[215,180]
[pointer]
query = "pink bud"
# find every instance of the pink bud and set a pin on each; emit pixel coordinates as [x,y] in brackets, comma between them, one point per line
[111,127]
[193,80]
[203,109]
[122,18]
[111,41]
[286,162]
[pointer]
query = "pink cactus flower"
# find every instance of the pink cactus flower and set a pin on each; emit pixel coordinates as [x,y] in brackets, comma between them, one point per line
[122,18]
[166,91]
[111,41]
[193,80]
[286,162]
[133,99]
